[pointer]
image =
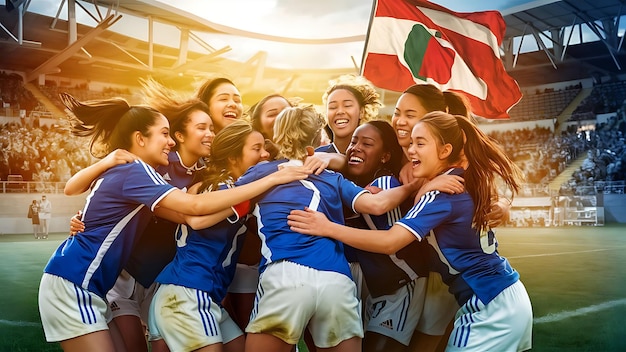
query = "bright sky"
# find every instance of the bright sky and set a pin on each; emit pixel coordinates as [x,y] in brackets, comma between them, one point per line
[285,18]
[312,19]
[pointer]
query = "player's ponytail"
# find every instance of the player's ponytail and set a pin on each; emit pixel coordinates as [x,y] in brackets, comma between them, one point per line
[109,122]
[175,107]
[456,103]
[486,159]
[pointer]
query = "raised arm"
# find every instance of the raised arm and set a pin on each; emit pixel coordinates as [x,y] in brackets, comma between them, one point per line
[445,183]
[315,223]
[320,161]
[204,221]
[384,201]
[196,222]
[332,161]
[81,181]
[213,202]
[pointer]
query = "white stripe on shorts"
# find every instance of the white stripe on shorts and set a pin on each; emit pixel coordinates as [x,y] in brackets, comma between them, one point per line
[87,314]
[204,309]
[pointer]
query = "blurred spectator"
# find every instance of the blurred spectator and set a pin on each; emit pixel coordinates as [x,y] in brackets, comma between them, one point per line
[47,154]
[41,153]
[540,153]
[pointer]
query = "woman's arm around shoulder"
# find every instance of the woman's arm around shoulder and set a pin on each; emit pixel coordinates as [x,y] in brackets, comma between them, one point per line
[384,201]
[213,202]
[81,181]
[311,222]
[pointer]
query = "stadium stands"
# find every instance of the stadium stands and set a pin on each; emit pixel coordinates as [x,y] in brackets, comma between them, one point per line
[545,104]
[40,157]
[605,98]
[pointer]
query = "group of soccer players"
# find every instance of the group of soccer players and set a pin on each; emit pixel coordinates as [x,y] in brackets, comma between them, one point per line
[188,187]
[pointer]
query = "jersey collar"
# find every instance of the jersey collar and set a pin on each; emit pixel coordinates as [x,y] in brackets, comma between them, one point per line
[190,169]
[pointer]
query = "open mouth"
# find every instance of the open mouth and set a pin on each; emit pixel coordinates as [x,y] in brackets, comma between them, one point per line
[355,160]
[230,115]
[402,133]
[341,122]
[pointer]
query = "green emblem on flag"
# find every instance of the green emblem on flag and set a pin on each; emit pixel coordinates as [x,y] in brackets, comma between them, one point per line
[415,49]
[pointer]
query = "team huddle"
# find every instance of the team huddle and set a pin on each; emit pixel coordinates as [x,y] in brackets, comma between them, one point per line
[208,230]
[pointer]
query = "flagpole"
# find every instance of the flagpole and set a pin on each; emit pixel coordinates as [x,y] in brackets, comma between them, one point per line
[369,27]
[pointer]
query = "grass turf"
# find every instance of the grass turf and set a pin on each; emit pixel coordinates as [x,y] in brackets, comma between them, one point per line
[575,277]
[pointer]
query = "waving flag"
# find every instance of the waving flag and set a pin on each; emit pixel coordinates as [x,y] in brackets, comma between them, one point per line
[414,42]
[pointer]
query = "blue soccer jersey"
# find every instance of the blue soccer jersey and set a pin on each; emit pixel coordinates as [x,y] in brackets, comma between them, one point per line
[471,263]
[177,174]
[326,193]
[384,274]
[328,148]
[116,211]
[206,259]
[156,247]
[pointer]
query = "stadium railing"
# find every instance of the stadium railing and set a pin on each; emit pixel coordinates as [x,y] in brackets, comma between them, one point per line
[17,186]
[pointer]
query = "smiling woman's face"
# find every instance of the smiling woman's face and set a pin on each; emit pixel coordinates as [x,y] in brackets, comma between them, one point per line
[154,148]
[409,110]
[225,105]
[343,113]
[426,152]
[365,152]
[269,111]
[252,153]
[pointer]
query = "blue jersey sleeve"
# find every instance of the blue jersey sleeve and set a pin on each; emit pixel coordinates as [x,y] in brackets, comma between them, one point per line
[143,184]
[385,221]
[329,148]
[115,214]
[349,191]
[256,172]
[428,213]
[386,182]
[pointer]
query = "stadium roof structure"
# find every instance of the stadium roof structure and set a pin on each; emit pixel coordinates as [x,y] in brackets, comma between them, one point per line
[42,45]
[173,15]
[551,22]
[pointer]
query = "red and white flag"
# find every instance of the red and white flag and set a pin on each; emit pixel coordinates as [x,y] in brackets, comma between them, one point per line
[417,42]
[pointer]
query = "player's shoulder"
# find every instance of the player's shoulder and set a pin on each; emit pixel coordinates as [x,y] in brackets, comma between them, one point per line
[328,148]
[258,171]
[386,182]
[139,171]
[264,168]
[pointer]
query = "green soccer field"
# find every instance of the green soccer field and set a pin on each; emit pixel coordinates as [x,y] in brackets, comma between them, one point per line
[575,276]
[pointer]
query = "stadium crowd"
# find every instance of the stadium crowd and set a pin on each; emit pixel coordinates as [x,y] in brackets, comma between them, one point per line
[49,153]
[40,153]
[13,93]
[539,152]
[606,160]
[44,153]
